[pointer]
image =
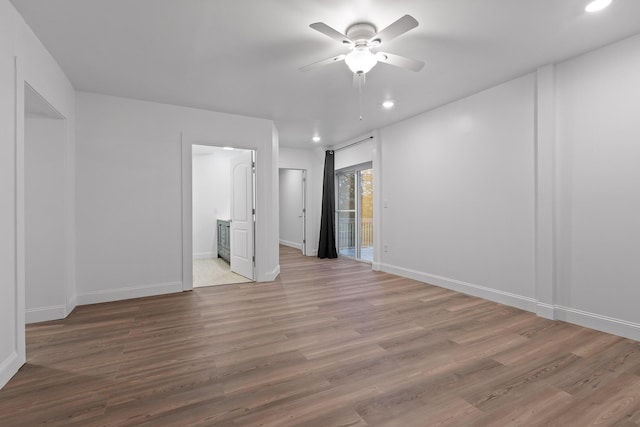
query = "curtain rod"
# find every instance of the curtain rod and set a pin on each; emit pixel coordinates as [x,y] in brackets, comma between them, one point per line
[354,143]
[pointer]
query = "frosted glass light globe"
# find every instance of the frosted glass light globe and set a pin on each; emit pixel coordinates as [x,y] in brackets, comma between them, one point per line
[361,60]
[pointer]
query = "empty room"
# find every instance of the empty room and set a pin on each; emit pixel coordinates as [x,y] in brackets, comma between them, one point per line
[319,213]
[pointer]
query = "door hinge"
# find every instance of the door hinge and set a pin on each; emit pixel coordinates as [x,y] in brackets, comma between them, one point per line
[253,211]
[304,241]
[254,258]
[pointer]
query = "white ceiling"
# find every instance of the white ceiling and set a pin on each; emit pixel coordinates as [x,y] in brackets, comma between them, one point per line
[242,56]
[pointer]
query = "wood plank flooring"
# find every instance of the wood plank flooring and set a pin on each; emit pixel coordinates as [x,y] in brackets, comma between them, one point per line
[330,343]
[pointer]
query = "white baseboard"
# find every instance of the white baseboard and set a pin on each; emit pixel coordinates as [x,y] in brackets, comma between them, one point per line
[9,367]
[205,255]
[44,314]
[518,301]
[595,321]
[312,252]
[71,305]
[271,276]
[128,293]
[548,311]
[376,266]
[291,244]
[599,322]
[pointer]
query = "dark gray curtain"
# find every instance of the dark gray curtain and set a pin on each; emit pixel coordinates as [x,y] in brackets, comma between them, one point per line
[327,245]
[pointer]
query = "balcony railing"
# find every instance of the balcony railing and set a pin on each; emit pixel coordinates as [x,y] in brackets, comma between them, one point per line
[347,232]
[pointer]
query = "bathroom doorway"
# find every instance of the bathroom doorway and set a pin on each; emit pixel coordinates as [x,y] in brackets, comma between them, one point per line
[223,215]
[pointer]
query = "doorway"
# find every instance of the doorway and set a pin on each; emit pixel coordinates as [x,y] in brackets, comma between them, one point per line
[354,193]
[223,215]
[293,212]
[46,242]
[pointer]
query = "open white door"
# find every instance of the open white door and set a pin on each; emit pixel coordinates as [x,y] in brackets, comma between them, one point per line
[292,208]
[242,258]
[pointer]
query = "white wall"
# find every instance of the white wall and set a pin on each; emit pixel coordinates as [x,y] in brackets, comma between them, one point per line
[130,234]
[311,160]
[291,205]
[458,183]
[362,152]
[526,193]
[211,199]
[45,233]
[598,138]
[24,59]
[9,357]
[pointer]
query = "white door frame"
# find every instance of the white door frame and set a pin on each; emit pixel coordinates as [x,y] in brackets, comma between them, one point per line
[304,212]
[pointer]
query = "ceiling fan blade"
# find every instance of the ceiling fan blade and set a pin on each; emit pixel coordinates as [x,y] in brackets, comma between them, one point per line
[334,34]
[401,26]
[400,61]
[323,62]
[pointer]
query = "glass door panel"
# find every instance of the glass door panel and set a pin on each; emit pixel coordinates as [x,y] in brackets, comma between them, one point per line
[366,215]
[347,214]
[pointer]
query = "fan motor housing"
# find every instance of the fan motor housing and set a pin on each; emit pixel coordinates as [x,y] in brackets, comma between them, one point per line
[361,33]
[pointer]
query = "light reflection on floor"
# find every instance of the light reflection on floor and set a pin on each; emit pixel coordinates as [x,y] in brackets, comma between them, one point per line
[366,253]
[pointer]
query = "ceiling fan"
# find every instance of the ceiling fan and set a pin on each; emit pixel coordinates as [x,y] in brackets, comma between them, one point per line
[361,38]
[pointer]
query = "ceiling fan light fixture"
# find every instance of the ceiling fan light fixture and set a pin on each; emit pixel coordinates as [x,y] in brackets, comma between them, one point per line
[597,5]
[360,60]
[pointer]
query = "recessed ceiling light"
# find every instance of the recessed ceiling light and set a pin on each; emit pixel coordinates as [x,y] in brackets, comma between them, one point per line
[388,104]
[597,5]
[316,138]
[227,148]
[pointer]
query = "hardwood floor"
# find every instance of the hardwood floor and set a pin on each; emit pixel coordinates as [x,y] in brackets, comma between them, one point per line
[330,343]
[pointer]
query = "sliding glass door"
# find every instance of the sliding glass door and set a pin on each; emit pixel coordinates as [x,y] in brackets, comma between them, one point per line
[355,212]
[346,214]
